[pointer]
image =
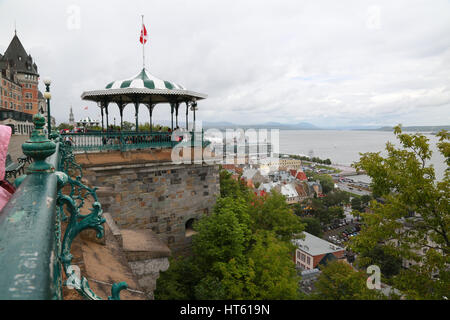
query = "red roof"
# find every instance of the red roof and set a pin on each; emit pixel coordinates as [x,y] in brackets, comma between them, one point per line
[301,176]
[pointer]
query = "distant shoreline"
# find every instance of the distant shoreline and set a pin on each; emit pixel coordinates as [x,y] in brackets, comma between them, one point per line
[420,129]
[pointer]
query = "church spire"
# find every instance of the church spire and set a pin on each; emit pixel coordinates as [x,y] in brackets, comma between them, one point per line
[71,117]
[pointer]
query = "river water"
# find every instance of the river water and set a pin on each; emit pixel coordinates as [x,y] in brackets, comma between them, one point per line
[343,146]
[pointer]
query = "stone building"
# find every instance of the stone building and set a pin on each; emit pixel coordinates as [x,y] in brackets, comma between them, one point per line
[20,98]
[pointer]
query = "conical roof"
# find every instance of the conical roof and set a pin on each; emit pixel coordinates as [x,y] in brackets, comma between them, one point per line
[19,58]
[143,88]
[145,80]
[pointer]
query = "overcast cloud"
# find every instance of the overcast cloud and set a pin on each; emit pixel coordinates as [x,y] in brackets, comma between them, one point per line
[330,63]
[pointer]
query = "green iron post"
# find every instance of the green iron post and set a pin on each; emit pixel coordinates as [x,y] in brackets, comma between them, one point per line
[48,96]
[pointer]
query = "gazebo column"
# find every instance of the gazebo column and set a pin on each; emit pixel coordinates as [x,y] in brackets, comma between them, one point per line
[121,106]
[177,106]
[187,115]
[194,106]
[100,105]
[136,114]
[103,126]
[172,109]
[121,117]
[150,110]
[107,117]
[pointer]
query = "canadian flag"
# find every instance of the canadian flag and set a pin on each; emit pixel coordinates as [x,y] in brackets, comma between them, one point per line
[144,36]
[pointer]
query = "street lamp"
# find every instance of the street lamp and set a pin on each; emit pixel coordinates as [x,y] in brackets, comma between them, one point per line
[194,108]
[48,96]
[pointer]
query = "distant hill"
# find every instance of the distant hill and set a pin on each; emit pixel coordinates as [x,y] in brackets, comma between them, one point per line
[267,125]
[417,128]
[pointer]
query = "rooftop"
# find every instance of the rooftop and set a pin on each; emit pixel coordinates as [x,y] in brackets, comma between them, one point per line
[21,61]
[315,246]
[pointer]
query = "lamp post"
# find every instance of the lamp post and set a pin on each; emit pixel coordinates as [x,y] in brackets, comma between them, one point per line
[194,108]
[48,96]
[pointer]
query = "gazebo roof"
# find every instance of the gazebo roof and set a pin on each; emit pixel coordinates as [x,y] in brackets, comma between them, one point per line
[144,80]
[144,88]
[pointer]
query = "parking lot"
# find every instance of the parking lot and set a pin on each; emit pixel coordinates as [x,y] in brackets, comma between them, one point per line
[339,233]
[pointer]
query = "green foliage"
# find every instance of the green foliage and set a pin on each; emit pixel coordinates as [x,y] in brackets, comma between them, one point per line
[241,251]
[224,235]
[338,281]
[128,126]
[326,181]
[179,282]
[336,198]
[155,127]
[313,159]
[365,199]
[232,188]
[408,185]
[389,264]
[64,126]
[273,214]
[336,213]
[357,204]
[312,226]
[266,272]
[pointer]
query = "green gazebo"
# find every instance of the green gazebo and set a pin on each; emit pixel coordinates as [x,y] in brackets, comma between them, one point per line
[148,90]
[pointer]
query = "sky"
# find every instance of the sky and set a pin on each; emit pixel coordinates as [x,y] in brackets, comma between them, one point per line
[326,62]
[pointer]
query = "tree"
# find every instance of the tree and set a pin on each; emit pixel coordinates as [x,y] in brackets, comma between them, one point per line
[297,209]
[357,204]
[338,281]
[128,126]
[179,281]
[312,226]
[389,264]
[336,198]
[266,273]
[232,188]
[336,213]
[413,222]
[64,126]
[224,235]
[326,181]
[365,199]
[271,213]
[241,251]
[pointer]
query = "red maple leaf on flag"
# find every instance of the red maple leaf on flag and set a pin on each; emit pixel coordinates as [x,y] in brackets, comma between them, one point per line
[144,36]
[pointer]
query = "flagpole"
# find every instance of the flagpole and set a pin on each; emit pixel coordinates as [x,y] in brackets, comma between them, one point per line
[143,43]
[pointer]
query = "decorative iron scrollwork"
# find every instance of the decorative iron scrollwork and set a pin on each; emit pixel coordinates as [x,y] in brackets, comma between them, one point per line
[77,223]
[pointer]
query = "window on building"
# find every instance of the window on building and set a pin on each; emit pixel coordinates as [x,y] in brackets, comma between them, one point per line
[308,260]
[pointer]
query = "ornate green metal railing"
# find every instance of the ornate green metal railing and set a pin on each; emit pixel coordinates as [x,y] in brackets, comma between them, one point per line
[125,141]
[32,253]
